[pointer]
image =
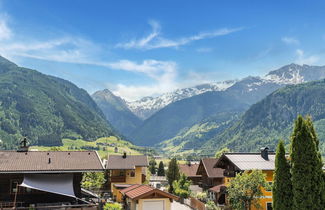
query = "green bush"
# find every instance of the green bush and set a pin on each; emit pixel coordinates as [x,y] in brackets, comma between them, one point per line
[113,206]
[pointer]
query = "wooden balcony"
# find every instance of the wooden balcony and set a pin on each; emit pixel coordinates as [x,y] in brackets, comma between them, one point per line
[228,173]
[118,178]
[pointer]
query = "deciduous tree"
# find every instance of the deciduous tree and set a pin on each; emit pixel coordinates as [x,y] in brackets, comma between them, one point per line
[245,190]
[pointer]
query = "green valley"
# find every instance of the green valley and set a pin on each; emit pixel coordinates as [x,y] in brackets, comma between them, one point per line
[104,146]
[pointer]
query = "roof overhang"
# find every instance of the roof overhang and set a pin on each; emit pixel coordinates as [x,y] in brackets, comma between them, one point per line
[155,191]
[50,172]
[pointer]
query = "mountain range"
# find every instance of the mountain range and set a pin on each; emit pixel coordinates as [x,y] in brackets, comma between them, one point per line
[271,119]
[242,115]
[147,106]
[117,112]
[45,109]
[289,74]
[179,117]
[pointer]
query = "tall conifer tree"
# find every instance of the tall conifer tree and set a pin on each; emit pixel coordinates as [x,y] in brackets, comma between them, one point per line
[282,187]
[161,169]
[172,174]
[306,167]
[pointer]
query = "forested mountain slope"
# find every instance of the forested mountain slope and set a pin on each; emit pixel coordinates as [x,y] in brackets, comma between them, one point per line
[45,109]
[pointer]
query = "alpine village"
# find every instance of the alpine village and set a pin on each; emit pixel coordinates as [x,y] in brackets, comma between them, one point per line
[180,112]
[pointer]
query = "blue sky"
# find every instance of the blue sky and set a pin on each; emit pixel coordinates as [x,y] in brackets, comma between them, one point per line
[140,48]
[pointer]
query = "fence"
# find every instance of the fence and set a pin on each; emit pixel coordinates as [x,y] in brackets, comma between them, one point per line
[195,203]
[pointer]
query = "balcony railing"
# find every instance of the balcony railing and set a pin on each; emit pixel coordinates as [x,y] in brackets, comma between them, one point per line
[118,178]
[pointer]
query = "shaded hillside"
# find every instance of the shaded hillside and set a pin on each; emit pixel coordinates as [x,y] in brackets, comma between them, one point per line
[116,112]
[272,118]
[169,121]
[45,109]
[189,141]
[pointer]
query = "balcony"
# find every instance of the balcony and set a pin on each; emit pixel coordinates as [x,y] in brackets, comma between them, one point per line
[228,173]
[118,178]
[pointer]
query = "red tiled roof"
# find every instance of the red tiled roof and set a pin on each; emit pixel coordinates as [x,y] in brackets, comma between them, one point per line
[137,192]
[217,188]
[51,161]
[208,164]
[189,170]
[129,188]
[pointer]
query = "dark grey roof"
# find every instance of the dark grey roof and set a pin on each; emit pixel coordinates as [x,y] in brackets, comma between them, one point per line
[129,162]
[49,162]
[250,161]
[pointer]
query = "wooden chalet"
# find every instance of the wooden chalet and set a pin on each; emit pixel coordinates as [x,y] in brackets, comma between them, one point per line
[40,178]
[211,176]
[190,170]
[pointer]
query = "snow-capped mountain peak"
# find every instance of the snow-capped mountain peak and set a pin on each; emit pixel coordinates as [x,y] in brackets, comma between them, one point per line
[289,74]
[146,106]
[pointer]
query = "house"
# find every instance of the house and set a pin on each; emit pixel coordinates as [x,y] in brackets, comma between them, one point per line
[144,197]
[124,171]
[234,163]
[218,194]
[44,178]
[190,170]
[159,182]
[211,176]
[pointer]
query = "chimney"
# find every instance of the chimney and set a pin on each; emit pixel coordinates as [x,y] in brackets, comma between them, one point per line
[265,153]
[124,155]
[23,146]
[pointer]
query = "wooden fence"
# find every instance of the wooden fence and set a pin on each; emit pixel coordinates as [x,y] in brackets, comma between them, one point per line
[195,203]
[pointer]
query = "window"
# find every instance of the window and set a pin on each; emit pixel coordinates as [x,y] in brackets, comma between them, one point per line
[132,174]
[122,173]
[270,189]
[14,186]
[269,206]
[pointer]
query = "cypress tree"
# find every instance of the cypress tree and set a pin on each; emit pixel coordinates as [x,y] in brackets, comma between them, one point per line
[282,187]
[161,169]
[319,182]
[306,167]
[172,174]
[152,166]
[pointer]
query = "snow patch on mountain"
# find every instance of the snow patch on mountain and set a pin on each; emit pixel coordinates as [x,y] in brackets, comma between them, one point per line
[146,106]
[286,75]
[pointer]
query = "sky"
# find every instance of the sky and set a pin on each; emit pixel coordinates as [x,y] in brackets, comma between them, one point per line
[143,48]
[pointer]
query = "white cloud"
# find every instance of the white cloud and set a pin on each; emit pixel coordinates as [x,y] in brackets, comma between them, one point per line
[156,40]
[290,40]
[164,74]
[5,32]
[303,59]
